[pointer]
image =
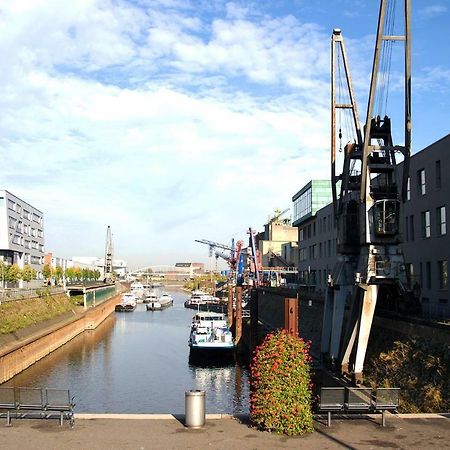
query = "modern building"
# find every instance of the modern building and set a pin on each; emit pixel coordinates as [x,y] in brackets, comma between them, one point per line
[426,243]
[21,233]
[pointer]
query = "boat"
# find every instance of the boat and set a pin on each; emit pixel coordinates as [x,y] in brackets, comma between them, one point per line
[138,290]
[210,333]
[127,303]
[159,303]
[150,297]
[199,298]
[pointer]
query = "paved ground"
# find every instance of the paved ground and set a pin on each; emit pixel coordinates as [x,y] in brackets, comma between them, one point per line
[225,433]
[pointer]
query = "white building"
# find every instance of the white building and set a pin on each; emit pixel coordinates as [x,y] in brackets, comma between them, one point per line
[21,233]
[119,265]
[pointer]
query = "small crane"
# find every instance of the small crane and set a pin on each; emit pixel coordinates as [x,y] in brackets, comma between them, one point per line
[108,267]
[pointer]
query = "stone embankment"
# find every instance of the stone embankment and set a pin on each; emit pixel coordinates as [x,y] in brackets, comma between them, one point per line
[22,348]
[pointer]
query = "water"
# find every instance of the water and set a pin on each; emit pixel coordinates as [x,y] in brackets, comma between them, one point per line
[139,363]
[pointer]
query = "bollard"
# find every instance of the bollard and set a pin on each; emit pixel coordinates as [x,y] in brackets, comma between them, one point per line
[194,408]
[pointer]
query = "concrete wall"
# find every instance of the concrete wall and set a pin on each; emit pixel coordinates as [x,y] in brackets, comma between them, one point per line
[24,353]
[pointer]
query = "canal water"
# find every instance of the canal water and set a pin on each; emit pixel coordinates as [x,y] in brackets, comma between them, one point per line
[139,363]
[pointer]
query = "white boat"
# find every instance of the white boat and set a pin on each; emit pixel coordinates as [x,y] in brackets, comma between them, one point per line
[199,297]
[127,303]
[138,290]
[150,296]
[161,302]
[210,333]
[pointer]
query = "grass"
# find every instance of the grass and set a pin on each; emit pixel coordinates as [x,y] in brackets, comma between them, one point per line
[420,369]
[16,315]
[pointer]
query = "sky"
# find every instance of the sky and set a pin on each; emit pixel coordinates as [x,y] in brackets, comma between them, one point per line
[176,120]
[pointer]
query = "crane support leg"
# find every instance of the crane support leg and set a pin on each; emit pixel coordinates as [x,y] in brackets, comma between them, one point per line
[368,310]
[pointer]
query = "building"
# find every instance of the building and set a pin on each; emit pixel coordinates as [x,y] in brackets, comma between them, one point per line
[277,241]
[426,243]
[21,233]
[120,266]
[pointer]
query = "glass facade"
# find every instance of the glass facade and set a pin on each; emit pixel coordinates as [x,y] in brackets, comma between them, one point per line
[314,196]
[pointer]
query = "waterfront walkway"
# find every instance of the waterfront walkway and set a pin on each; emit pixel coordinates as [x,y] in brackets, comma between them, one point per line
[145,432]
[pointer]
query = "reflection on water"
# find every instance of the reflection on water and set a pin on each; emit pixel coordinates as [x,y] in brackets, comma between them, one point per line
[139,362]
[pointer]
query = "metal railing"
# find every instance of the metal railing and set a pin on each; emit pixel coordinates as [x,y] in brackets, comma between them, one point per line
[15,294]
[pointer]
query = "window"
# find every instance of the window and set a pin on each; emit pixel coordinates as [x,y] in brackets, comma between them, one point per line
[12,223]
[438,175]
[314,228]
[441,221]
[428,274]
[302,254]
[443,274]
[320,249]
[421,274]
[407,228]
[11,204]
[408,189]
[329,247]
[301,235]
[411,230]
[2,201]
[421,188]
[426,226]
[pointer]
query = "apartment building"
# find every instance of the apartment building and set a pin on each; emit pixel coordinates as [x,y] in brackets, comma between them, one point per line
[21,233]
[426,243]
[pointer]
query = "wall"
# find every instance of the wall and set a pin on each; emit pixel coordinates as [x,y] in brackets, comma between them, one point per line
[28,351]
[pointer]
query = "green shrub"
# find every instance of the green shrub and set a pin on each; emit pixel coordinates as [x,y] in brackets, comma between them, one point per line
[280,395]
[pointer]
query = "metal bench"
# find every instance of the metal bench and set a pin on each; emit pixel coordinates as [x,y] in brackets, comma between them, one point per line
[358,400]
[7,402]
[386,399]
[29,402]
[331,399]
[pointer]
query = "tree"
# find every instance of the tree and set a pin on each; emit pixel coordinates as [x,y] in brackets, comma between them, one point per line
[59,273]
[27,274]
[47,272]
[13,273]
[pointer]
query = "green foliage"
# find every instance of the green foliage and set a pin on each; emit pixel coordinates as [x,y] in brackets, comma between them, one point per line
[28,273]
[47,271]
[59,273]
[280,397]
[16,315]
[13,273]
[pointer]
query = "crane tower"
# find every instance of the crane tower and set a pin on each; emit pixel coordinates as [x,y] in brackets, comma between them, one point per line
[367,199]
[108,267]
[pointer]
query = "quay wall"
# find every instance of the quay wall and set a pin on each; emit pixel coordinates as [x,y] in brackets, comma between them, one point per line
[23,353]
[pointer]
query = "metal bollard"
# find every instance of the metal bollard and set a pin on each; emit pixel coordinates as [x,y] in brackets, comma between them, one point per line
[194,408]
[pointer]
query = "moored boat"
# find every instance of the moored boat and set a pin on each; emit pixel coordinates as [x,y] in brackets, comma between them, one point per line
[210,333]
[161,302]
[199,298]
[127,303]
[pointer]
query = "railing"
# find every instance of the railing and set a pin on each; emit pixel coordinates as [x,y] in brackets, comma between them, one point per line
[7,295]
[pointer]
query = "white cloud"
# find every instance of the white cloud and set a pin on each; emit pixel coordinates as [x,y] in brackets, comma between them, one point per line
[167,121]
[430,11]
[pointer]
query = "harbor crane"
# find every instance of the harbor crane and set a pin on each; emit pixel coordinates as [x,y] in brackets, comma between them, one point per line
[108,267]
[229,258]
[367,201]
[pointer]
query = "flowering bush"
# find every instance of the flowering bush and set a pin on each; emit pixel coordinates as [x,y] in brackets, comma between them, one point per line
[280,396]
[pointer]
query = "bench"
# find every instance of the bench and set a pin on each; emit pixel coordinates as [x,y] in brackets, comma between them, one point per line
[32,402]
[358,400]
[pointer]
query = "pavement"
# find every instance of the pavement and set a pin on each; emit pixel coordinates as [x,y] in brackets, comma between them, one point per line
[144,432]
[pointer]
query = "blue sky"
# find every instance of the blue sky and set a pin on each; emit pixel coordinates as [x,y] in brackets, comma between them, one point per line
[176,120]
